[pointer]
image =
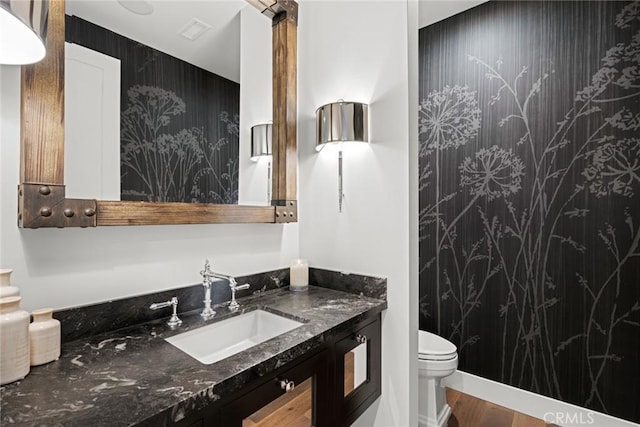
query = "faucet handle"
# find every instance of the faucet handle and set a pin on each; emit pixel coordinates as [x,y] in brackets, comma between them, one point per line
[233,304]
[174,320]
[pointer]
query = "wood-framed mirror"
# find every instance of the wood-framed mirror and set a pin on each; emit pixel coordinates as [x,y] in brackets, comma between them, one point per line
[42,200]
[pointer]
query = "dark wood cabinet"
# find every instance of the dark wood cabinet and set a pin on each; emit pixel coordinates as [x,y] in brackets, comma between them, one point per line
[330,386]
[358,381]
[259,406]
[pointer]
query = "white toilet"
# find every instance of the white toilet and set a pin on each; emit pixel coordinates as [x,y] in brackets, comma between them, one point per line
[437,358]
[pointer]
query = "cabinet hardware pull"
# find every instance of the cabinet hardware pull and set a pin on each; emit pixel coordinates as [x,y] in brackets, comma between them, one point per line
[361,339]
[287,385]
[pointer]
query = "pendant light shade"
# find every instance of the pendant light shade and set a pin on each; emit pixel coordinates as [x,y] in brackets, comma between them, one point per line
[23,31]
[341,122]
[261,140]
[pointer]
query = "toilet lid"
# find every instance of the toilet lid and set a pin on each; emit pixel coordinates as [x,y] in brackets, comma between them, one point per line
[434,347]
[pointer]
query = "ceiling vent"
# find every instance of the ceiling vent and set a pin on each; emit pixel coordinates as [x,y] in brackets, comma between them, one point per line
[194,29]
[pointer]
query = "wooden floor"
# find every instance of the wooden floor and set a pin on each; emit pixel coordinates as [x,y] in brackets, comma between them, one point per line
[469,411]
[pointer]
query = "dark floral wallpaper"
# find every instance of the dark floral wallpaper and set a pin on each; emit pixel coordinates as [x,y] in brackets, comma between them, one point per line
[178,123]
[530,196]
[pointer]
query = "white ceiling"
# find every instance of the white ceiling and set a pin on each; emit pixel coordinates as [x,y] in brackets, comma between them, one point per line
[217,50]
[432,11]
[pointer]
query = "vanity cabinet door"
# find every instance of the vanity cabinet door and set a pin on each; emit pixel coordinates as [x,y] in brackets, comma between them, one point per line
[358,364]
[206,417]
[291,397]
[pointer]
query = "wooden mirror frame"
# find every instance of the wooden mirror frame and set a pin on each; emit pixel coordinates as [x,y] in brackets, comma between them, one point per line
[41,192]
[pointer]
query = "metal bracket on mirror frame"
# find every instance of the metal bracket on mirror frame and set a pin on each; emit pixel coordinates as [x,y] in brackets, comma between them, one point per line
[283,9]
[286,211]
[43,205]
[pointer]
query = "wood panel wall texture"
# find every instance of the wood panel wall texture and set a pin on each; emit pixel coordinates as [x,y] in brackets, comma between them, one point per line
[530,196]
[178,123]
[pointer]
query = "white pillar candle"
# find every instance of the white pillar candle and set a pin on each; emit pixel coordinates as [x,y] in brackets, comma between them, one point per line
[299,275]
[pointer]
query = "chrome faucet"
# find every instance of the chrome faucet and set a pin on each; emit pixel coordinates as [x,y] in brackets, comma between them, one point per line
[207,275]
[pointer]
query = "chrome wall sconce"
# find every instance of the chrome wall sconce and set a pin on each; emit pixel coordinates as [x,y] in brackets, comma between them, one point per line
[262,146]
[23,31]
[341,122]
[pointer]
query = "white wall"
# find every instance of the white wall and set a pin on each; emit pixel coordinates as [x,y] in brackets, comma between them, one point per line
[414,258]
[70,267]
[92,124]
[255,101]
[358,51]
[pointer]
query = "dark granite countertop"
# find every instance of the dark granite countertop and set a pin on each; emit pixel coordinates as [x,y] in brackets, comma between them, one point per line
[133,375]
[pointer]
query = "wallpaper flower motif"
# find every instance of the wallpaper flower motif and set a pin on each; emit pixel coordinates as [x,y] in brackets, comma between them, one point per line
[495,172]
[448,118]
[226,177]
[509,240]
[172,167]
[614,167]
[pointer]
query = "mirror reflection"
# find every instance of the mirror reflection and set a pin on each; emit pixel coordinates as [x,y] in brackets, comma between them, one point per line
[152,107]
[355,368]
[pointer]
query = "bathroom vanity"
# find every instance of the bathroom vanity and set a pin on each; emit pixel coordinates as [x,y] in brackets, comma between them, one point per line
[133,376]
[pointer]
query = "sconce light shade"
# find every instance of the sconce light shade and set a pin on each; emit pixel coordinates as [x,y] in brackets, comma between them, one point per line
[341,122]
[23,31]
[261,142]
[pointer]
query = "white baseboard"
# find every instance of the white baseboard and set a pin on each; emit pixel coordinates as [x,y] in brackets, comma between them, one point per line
[443,417]
[538,406]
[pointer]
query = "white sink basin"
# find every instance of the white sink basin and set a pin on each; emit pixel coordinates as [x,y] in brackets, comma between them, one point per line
[214,342]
